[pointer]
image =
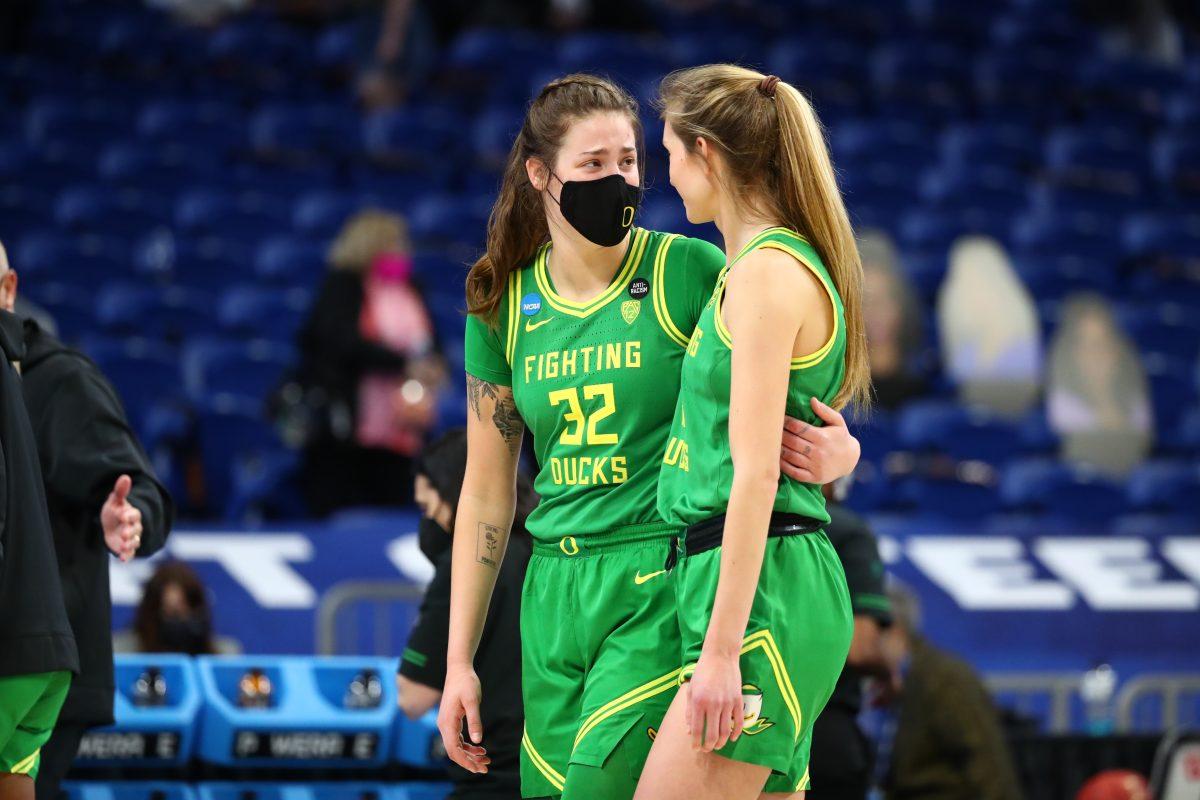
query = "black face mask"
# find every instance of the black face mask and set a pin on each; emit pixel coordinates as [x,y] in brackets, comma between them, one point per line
[184,634]
[601,210]
[433,539]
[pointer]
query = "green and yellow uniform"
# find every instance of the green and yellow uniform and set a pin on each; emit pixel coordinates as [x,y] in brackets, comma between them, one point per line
[800,623]
[596,383]
[27,718]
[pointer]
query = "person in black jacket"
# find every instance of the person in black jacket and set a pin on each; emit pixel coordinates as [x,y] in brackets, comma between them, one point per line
[498,661]
[37,650]
[103,498]
[350,459]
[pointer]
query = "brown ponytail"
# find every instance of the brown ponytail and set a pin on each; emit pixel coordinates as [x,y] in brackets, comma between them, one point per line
[777,164]
[517,225]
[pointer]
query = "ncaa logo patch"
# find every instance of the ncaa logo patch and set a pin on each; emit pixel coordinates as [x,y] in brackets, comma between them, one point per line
[639,288]
[531,304]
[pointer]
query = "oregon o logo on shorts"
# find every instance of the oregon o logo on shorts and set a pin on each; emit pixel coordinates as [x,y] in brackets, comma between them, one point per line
[569,546]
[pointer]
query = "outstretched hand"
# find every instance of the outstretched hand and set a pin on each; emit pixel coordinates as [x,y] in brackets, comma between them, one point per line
[121,520]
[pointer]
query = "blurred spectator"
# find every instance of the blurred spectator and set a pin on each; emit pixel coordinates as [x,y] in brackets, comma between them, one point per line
[368,348]
[423,664]
[174,617]
[1145,29]
[841,754]
[103,499]
[893,317]
[990,333]
[200,12]
[1116,784]
[1098,399]
[402,53]
[947,743]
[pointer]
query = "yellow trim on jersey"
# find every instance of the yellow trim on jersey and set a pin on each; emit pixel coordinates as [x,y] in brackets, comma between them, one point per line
[764,640]
[26,765]
[550,773]
[816,357]
[633,255]
[630,698]
[510,319]
[799,362]
[803,785]
[659,292]
[518,279]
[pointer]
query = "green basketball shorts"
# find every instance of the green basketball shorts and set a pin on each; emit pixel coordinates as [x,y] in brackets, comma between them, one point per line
[600,661]
[29,706]
[795,647]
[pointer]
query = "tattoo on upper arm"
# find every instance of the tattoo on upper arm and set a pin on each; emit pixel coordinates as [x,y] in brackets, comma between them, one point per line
[487,545]
[505,416]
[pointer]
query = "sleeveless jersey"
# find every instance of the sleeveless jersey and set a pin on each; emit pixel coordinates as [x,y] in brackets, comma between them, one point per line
[697,471]
[596,382]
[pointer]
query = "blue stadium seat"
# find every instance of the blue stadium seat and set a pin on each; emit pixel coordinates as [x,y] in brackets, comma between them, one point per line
[98,209]
[436,271]
[1057,489]
[68,121]
[485,50]
[339,48]
[406,138]
[1161,236]
[157,169]
[207,264]
[290,261]
[621,55]
[1177,163]
[963,433]
[992,190]
[249,43]
[1097,156]
[247,370]
[231,430]
[319,215]
[929,73]
[172,313]
[243,217]
[450,220]
[1169,487]
[262,313]
[1172,389]
[1153,526]
[72,306]
[958,499]
[144,372]
[493,135]
[905,145]
[84,261]
[1186,438]
[1021,84]
[282,131]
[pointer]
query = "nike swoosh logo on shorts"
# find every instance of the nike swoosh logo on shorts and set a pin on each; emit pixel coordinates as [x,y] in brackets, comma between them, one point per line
[639,578]
[531,326]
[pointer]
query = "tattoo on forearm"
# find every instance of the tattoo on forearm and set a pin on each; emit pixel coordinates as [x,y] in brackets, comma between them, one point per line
[505,416]
[487,545]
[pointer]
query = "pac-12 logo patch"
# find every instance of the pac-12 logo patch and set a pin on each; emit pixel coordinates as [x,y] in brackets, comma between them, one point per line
[531,304]
[639,288]
[630,310]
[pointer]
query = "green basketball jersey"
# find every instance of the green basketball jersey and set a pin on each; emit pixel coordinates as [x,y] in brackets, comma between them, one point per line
[697,466]
[596,382]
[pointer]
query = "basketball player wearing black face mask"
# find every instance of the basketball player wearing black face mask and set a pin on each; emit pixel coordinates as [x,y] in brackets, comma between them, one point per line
[422,674]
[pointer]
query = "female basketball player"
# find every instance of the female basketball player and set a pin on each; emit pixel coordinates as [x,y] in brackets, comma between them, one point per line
[578,325]
[763,608]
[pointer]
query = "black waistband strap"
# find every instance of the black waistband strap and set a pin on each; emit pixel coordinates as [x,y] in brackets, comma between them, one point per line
[708,534]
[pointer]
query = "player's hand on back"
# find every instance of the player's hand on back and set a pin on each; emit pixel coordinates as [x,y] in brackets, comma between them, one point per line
[818,455]
[461,698]
[121,521]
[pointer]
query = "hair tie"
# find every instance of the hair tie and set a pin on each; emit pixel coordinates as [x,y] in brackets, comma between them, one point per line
[766,86]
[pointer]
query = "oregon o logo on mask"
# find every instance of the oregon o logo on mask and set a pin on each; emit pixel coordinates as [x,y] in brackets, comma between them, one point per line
[627,217]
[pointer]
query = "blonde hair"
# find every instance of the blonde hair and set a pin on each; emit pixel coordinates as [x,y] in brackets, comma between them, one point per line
[364,236]
[777,165]
[517,226]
